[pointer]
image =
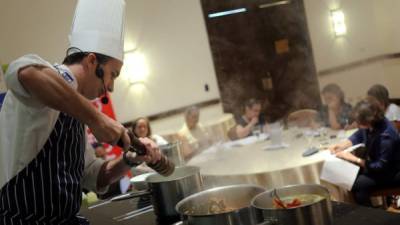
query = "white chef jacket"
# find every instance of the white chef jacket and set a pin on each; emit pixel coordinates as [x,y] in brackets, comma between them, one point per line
[26,124]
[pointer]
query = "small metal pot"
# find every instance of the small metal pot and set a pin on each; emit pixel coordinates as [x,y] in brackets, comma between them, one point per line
[168,191]
[228,205]
[314,213]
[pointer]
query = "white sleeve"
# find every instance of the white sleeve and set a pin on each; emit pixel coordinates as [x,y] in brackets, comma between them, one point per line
[91,171]
[15,86]
[2,82]
[11,76]
[159,140]
[397,113]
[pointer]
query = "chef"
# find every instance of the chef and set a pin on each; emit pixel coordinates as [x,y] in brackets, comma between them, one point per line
[43,159]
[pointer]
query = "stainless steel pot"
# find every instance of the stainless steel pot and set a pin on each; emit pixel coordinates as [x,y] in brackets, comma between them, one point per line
[173,153]
[315,213]
[228,205]
[168,191]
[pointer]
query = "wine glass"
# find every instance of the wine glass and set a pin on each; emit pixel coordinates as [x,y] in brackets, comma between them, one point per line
[309,134]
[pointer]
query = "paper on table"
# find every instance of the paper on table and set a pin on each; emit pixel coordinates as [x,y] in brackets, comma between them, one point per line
[246,141]
[354,147]
[338,171]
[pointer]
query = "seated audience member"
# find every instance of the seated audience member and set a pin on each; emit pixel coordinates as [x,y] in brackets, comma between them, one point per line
[303,118]
[141,128]
[194,133]
[381,163]
[381,94]
[250,120]
[335,113]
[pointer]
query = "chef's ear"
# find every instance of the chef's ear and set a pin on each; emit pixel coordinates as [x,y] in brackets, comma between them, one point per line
[92,59]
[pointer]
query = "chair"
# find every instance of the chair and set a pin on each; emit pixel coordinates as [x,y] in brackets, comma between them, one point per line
[385,192]
[396,125]
[303,118]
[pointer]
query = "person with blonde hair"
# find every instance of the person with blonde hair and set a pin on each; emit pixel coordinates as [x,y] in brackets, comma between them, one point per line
[193,133]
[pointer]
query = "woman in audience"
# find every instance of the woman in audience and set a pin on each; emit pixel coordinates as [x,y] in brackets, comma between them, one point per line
[250,120]
[335,113]
[141,128]
[381,94]
[380,164]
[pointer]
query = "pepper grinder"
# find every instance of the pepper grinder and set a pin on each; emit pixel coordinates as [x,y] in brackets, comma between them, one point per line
[163,166]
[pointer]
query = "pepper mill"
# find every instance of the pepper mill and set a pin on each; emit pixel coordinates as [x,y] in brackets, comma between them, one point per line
[163,166]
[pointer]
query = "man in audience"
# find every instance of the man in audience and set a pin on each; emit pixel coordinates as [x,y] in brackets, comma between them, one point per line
[193,132]
[250,120]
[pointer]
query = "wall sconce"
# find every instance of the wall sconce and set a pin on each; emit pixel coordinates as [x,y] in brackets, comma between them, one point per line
[135,68]
[339,25]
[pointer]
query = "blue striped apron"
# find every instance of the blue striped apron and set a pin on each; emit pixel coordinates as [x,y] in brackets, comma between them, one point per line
[48,190]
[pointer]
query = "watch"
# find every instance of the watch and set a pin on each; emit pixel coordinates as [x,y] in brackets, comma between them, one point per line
[129,162]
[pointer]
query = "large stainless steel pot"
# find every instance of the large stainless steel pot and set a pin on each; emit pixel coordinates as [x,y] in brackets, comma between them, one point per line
[228,205]
[315,213]
[168,191]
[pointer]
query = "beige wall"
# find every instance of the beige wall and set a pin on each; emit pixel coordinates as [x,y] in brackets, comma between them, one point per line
[171,35]
[372,31]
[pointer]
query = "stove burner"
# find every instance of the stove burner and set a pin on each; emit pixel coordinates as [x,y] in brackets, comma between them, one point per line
[144,201]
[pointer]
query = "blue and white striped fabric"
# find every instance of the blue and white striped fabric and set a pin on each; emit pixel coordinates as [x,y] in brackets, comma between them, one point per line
[48,190]
[2,96]
[2,88]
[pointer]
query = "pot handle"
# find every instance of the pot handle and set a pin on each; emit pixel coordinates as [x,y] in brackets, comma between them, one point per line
[121,197]
[131,195]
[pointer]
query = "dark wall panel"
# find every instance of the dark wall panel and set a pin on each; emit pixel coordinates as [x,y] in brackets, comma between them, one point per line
[244,51]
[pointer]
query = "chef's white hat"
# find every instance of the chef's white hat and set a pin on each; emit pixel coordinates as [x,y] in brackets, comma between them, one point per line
[98,27]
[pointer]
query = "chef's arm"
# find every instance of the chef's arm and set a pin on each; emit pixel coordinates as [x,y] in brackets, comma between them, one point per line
[44,84]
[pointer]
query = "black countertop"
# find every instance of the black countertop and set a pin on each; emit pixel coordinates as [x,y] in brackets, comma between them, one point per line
[343,214]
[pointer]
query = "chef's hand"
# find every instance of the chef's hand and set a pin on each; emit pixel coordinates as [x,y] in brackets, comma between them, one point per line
[152,155]
[110,131]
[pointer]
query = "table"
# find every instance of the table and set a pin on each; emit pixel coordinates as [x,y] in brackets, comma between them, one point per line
[268,168]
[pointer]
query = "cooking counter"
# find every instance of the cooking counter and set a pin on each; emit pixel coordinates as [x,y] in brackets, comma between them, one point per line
[344,214]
